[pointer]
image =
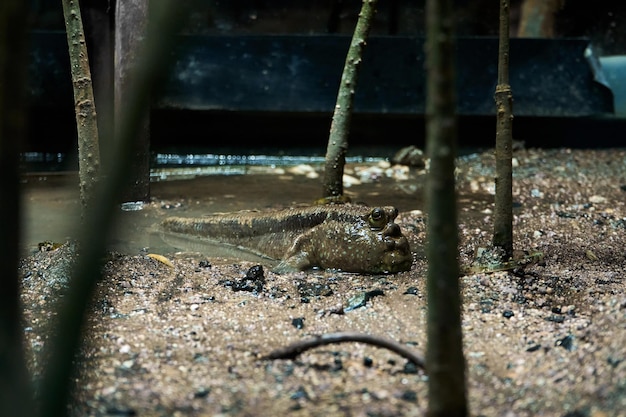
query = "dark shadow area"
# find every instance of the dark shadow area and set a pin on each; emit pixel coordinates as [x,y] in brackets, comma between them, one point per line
[182,131]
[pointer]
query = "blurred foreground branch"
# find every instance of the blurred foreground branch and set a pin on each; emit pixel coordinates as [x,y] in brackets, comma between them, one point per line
[15,392]
[164,19]
[444,353]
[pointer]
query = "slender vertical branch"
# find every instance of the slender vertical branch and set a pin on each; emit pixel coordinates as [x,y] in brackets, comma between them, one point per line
[446,364]
[84,103]
[340,126]
[503,213]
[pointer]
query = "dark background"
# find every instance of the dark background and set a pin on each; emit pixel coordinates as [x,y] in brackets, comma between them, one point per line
[178,128]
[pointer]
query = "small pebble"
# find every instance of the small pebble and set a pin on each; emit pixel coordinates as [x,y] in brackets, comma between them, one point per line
[349,181]
[597,199]
[298,322]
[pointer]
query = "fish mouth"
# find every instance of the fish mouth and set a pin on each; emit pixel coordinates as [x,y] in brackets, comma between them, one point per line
[397,256]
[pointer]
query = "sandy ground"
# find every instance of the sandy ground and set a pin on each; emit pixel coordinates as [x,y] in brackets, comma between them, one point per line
[545,340]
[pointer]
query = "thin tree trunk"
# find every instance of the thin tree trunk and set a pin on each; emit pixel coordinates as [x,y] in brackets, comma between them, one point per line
[446,364]
[15,389]
[84,104]
[503,213]
[340,126]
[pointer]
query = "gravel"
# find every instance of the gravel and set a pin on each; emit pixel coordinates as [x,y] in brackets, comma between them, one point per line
[548,339]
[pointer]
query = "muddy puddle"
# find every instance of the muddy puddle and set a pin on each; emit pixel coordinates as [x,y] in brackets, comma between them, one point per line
[183,185]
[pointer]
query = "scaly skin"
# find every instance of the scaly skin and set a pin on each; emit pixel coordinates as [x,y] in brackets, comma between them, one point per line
[351,238]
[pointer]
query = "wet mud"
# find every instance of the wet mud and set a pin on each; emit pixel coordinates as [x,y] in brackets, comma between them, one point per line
[190,337]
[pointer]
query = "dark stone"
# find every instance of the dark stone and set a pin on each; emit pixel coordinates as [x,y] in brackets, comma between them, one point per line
[613,361]
[360,299]
[337,365]
[508,314]
[255,273]
[566,342]
[565,215]
[299,394]
[486,305]
[298,323]
[410,368]
[202,393]
[556,318]
[410,396]
[254,281]
[411,291]
[308,289]
[248,285]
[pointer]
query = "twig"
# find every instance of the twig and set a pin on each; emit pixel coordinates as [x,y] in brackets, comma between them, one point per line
[293,350]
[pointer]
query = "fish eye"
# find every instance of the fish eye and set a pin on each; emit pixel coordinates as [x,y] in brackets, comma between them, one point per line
[377,218]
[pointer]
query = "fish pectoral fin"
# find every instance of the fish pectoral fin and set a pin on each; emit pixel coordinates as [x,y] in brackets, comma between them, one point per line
[298,262]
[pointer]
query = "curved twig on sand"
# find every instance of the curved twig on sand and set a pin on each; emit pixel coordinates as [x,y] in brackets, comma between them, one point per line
[293,350]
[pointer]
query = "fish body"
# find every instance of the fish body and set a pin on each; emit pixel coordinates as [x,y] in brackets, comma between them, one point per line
[351,238]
